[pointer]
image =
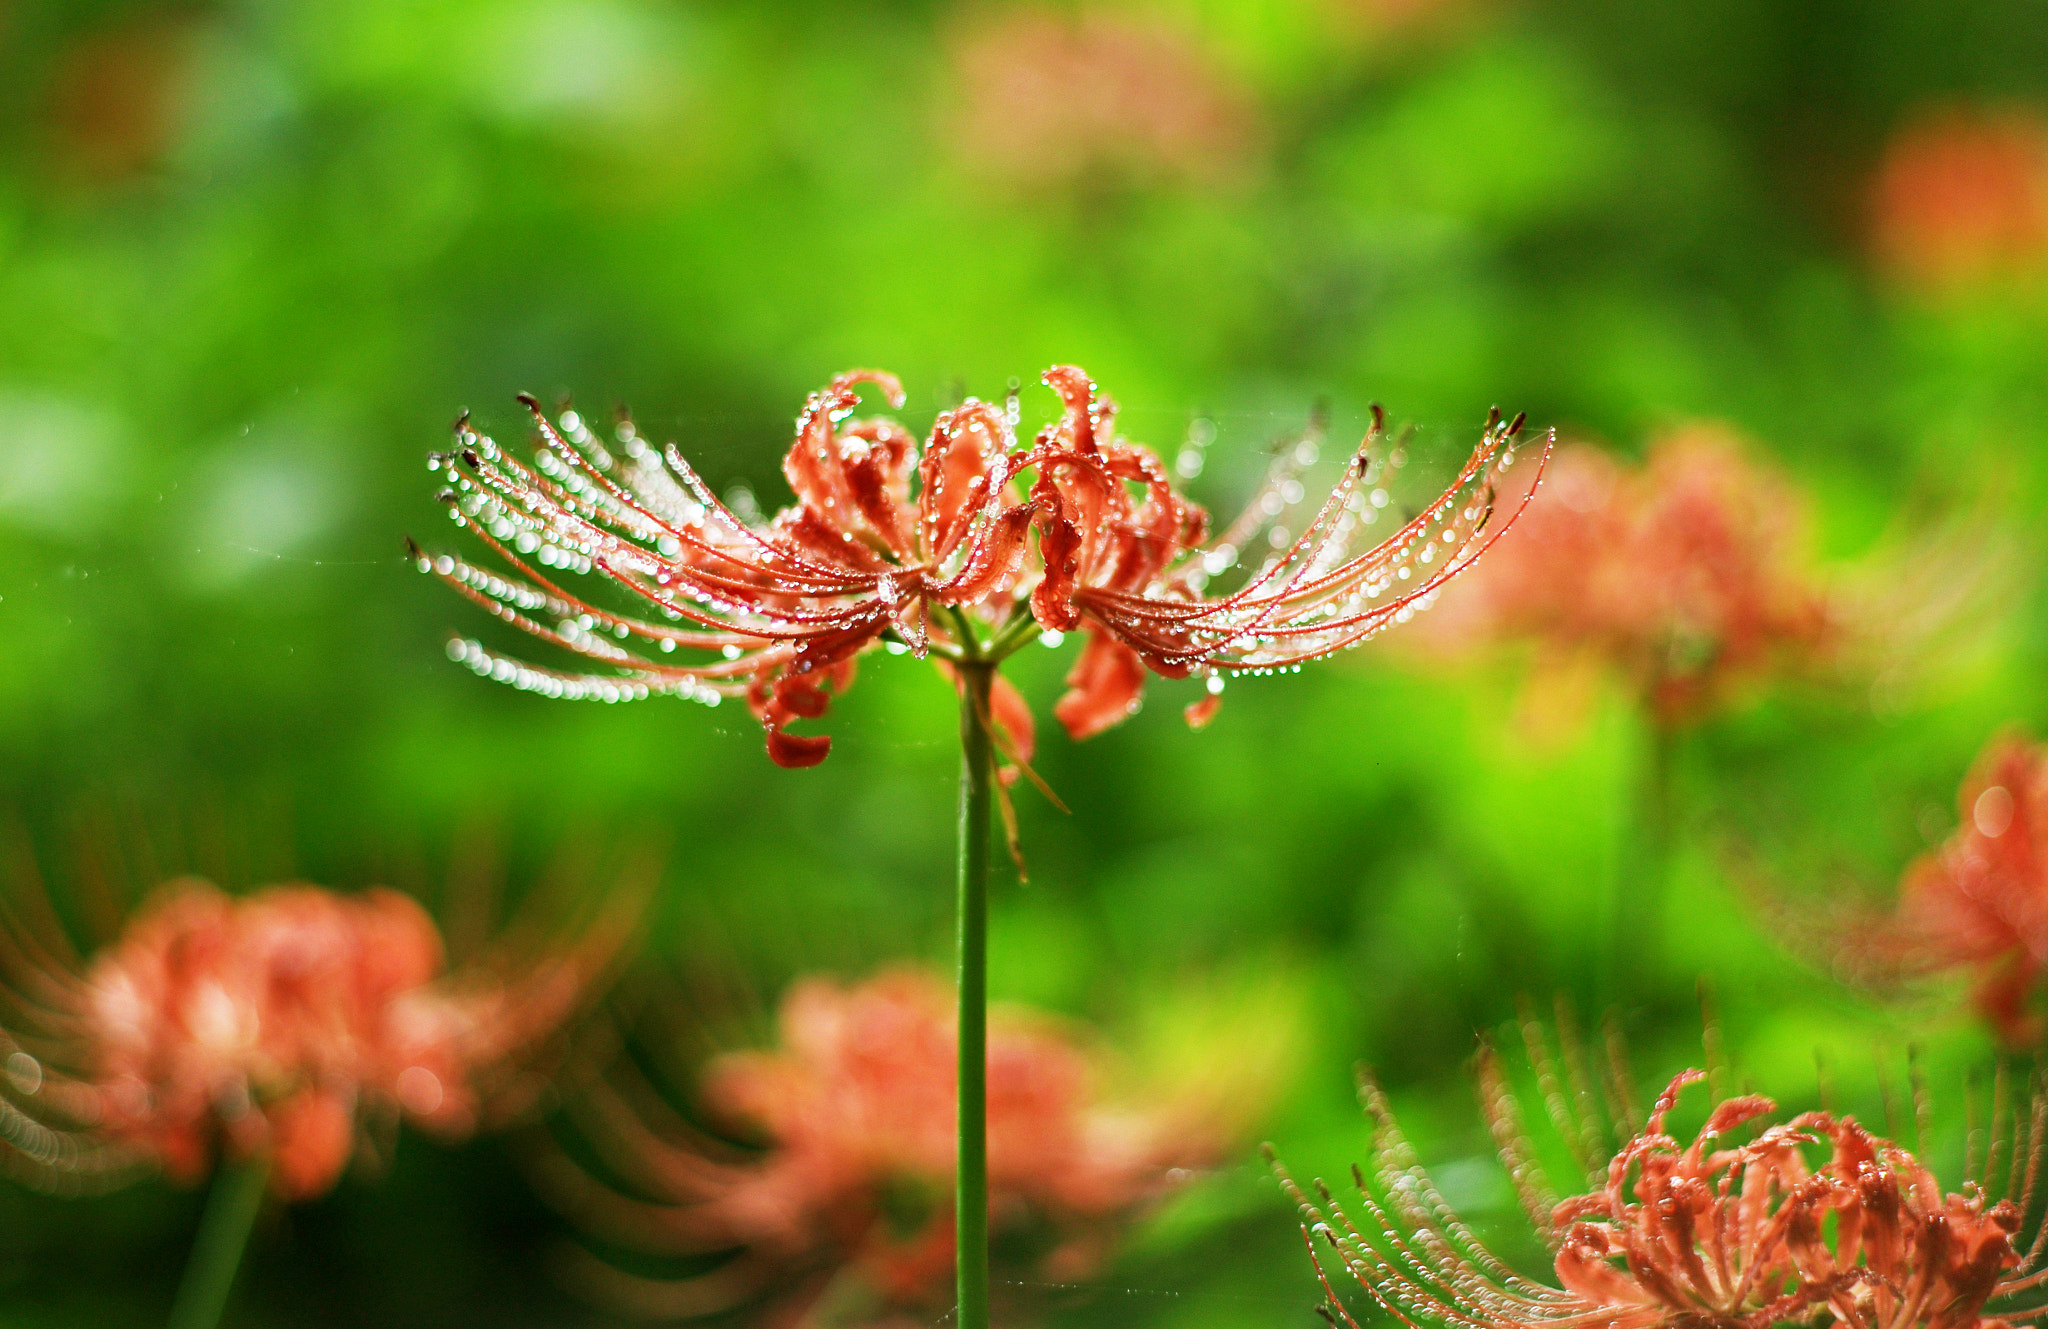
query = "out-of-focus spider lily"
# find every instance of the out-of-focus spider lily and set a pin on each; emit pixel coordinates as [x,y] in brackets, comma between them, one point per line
[272,1038]
[1682,574]
[846,1202]
[1977,904]
[1960,202]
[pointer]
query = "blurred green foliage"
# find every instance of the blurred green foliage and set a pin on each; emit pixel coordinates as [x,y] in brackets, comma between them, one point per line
[254,255]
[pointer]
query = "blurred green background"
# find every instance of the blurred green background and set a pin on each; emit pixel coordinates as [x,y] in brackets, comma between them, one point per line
[254,256]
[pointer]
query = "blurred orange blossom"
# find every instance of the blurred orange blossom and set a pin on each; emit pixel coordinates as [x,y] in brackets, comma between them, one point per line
[1682,574]
[851,1193]
[275,1028]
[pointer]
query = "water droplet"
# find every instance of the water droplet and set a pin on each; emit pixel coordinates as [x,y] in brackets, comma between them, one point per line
[24,1072]
[1993,811]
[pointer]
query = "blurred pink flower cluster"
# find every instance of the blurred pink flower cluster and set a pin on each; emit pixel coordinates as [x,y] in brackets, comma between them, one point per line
[1682,573]
[277,1027]
[1978,904]
[855,1109]
[1961,198]
[1050,97]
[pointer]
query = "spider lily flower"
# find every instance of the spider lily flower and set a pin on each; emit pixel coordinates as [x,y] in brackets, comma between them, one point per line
[778,611]
[782,608]
[1134,570]
[290,1026]
[851,1196]
[1808,1219]
[1681,574]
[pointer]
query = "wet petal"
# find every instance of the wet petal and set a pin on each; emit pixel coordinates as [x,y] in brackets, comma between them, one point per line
[796,751]
[1103,688]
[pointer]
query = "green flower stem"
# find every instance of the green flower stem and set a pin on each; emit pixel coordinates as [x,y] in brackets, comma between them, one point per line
[977,780]
[217,1252]
[1018,632]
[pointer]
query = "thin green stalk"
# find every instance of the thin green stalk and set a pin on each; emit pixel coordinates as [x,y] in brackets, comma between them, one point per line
[217,1252]
[977,779]
[1018,632]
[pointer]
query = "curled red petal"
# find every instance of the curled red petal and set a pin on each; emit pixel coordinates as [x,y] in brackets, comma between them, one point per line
[843,385]
[954,473]
[994,559]
[1102,689]
[1059,544]
[1077,393]
[797,751]
[1198,714]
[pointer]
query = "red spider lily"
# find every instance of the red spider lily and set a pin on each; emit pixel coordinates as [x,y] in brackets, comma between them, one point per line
[1961,197]
[1713,1233]
[784,607]
[853,1191]
[278,1026]
[1680,573]
[1134,570]
[1979,903]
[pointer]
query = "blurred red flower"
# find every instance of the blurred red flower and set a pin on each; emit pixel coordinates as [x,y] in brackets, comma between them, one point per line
[1961,197]
[855,1109]
[274,1027]
[1049,98]
[116,94]
[1719,1232]
[782,608]
[1680,573]
[1979,903]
